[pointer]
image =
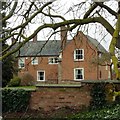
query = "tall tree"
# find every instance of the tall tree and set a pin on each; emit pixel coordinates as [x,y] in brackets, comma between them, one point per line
[47,15]
[7,68]
[7,63]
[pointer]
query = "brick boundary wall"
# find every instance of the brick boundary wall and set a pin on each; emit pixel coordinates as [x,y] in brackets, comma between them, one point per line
[53,98]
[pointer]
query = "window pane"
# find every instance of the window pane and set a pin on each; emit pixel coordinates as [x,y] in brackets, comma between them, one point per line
[53,60]
[79,54]
[76,52]
[40,75]
[78,71]
[41,78]
[34,60]
[79,51]
[78,74]
[21,65]
[56,60]
[79,77]
[21,62]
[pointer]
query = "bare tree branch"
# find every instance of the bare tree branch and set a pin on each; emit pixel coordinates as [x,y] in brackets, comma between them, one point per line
[29,19]
[90,10]
[107,8]
[10,13]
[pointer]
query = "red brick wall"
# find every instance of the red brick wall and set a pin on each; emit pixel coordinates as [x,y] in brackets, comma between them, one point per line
[50,69]
[91,71]
[55,98]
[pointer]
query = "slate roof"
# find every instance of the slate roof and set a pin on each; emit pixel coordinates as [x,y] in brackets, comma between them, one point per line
[51,47]
[41,48]
[97,44]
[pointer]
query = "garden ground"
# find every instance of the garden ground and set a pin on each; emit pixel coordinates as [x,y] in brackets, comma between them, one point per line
[106,113]
[59,113]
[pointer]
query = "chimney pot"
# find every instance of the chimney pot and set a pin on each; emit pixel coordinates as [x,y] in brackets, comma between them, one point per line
[12,39]
[63,36]
[35,38]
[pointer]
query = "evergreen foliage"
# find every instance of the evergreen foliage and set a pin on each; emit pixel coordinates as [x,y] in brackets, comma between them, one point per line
[7,63]
[98,96]
[15,100]
[14,82]
[7,68]
[112,113]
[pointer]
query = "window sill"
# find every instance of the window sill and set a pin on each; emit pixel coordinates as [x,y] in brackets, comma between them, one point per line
[34,64]
[40,80]
[21,68]
[78,80]
[78,60]
[53,63]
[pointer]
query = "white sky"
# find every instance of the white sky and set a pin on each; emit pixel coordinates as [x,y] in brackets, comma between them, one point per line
[92,29]
[65,5]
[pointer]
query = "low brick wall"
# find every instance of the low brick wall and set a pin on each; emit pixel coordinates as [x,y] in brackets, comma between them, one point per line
[53,98]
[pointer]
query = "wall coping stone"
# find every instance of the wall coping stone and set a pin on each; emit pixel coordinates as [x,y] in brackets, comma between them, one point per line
[59,85]
[100,81]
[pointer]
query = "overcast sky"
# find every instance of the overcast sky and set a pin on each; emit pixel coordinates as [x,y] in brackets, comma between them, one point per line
[99,30]
[63,6]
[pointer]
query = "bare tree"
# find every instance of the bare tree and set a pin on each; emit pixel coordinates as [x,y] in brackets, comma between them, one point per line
[28,12]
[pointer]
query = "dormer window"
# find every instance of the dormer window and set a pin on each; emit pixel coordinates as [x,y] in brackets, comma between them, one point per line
[53,60]
[79,54]
[34,60]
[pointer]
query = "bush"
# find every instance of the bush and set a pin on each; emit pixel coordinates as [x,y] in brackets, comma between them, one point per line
[112,113]
[14,100]
[27,79]
[14,82]
[98,96]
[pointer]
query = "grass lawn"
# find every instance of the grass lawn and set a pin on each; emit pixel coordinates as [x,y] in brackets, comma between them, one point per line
[28,88]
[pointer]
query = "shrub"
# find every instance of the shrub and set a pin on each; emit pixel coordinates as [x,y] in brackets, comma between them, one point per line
[98,96]
[27,79]
[14,82]
[14,100]
[112,113]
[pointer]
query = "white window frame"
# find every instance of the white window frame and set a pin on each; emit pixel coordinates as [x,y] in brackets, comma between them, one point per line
[78,54]
[34,60]
[38,75]
[75,74]
[53,60]
[21,61]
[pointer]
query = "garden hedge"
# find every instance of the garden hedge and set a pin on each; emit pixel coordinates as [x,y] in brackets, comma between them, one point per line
[15,100]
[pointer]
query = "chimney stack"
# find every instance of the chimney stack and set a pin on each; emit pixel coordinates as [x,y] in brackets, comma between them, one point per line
[63,36]
[12,40]
[35,38]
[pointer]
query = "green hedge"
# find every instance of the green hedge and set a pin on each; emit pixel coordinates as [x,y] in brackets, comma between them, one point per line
[15,100]
[98,96]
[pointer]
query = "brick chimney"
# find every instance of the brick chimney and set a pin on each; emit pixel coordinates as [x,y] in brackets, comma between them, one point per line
[35,38]
[12,40]
[63,36]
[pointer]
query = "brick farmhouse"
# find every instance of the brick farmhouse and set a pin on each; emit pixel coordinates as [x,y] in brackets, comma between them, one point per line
[63,61]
